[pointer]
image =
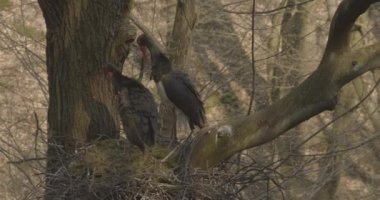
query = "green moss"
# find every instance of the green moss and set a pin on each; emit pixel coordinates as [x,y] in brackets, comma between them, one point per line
[4,4]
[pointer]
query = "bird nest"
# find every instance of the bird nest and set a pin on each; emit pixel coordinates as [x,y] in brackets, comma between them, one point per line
[110,169]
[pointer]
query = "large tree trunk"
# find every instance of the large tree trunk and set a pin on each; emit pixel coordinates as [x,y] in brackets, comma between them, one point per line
[181,37]
[81,37]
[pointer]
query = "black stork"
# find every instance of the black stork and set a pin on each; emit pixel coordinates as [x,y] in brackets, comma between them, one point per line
[137,109]
[173,85]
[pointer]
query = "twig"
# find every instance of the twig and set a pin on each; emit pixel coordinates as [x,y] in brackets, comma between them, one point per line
[170,154]
[267,12]
[330,122]
[26,160]
[36,133]
[333,152]
[253,58]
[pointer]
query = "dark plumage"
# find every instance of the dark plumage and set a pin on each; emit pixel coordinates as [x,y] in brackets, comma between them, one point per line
[173,85]
[137,109]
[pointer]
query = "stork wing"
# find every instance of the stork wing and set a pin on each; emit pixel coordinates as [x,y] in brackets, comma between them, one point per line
[139,114]
[143,103]
[182,93]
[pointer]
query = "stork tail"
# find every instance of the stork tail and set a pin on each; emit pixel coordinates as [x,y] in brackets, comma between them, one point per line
[182,122]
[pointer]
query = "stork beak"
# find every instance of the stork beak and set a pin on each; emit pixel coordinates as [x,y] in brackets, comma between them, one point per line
[137,45]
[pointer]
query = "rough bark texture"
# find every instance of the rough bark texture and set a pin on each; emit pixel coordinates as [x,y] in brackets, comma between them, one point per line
[180,42]
[317,93]
[81,37]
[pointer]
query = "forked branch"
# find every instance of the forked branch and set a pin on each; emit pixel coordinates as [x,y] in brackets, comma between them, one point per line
[316,94]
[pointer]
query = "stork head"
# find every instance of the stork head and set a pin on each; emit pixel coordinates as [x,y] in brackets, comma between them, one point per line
[119,81]
[143,43]
[147,44]
[161,65]
[143,40]
[158,61]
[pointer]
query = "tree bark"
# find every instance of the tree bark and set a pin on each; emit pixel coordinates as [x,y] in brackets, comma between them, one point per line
[81,37]
[181,37]
[332,166]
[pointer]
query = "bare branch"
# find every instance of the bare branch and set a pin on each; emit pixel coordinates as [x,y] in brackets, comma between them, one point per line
[253,58]
[342,22]
[267,12]
[26,160]
[316,94]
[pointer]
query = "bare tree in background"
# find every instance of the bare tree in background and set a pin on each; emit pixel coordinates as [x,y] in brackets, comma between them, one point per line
[315,94]
[86,159]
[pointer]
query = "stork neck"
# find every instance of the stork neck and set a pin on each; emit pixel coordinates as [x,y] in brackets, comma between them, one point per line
[160,67]
[120,80]
[162,64]
[153,50]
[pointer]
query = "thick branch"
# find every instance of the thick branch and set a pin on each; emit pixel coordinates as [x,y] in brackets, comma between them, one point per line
[315,95]
[342,22]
